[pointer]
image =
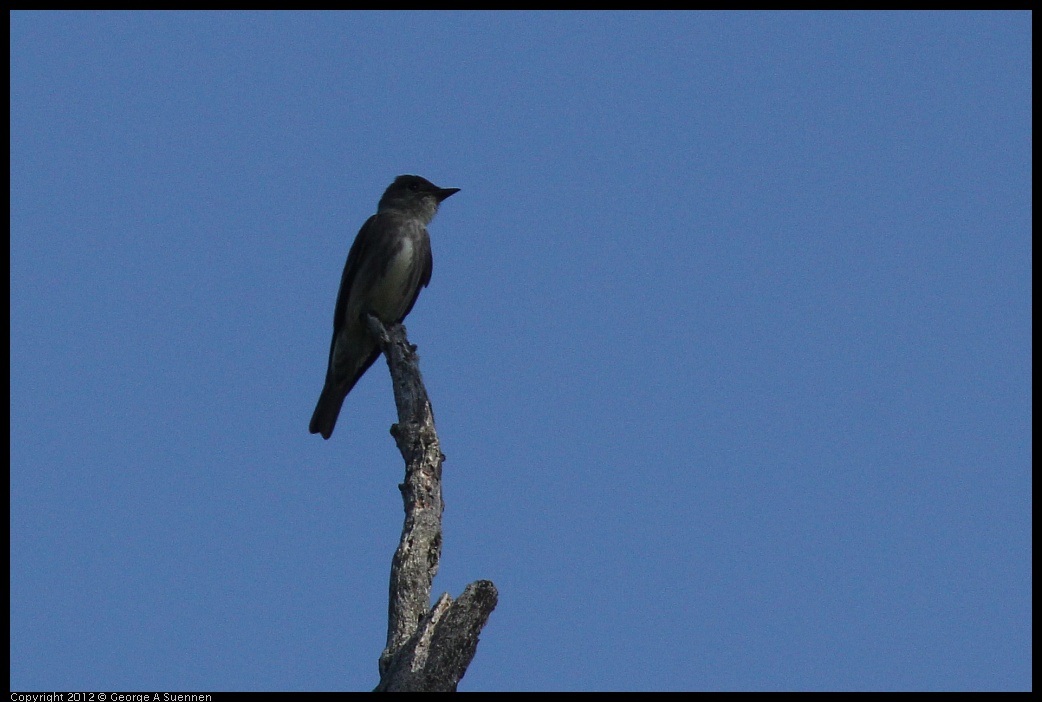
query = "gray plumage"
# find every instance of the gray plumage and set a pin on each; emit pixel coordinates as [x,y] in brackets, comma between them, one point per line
[389,262]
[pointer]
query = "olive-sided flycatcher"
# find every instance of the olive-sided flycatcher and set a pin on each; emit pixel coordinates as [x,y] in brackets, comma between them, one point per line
[387,265]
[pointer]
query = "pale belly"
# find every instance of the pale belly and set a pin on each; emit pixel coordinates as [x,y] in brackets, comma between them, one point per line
[391,293]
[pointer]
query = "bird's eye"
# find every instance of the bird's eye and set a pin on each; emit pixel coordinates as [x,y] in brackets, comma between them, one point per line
[414,186]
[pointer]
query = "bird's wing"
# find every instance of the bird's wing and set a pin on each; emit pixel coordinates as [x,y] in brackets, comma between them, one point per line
[357,254]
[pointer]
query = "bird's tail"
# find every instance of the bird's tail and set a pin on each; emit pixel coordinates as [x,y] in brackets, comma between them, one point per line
[327,410]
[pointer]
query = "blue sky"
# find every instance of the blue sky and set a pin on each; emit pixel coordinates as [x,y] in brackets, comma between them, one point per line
[728,341]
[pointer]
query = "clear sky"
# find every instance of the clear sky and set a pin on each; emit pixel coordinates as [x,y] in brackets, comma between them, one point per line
[728,341]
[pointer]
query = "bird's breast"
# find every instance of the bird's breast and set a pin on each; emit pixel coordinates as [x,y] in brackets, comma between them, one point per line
[392,291]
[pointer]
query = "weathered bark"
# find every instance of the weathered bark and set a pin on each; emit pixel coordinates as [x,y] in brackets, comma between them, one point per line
[428,648]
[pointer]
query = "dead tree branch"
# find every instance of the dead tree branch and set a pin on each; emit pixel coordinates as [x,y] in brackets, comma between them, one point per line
[428,648]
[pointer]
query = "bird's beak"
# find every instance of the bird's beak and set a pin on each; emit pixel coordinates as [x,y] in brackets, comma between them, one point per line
[444,193]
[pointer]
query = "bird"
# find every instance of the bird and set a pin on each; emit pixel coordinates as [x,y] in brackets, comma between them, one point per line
[389,263]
